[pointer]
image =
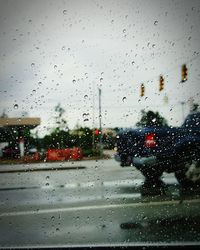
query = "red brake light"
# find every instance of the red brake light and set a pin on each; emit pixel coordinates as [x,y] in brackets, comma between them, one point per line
[150,141]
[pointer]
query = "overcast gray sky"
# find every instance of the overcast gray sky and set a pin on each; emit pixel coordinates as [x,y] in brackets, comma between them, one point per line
[62,51]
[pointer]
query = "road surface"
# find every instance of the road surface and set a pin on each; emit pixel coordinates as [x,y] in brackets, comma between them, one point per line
[91,202]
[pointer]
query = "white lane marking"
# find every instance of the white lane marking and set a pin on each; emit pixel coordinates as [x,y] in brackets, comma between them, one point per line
[101,183]
[71,185]
[70,209]
[123,183]
[88,184]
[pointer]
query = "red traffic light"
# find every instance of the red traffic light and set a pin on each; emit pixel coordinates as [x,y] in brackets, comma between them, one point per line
[97,132]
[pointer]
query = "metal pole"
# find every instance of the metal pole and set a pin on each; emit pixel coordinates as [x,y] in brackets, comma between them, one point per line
[183,115]
[100,126]
[93,144]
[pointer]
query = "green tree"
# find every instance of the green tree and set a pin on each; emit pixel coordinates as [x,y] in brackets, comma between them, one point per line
[59,135]
[61,123]
[151,119]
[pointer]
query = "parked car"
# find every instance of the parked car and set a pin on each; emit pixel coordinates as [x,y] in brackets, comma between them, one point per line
[10,152]
[153,150]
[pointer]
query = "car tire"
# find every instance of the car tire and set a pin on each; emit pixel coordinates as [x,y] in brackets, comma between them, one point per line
[189,175]
[153,184]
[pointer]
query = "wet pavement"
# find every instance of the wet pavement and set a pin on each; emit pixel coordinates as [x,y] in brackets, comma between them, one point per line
[98,203]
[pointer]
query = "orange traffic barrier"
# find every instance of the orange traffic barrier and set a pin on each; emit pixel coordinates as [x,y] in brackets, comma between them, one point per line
[76,153]
[64,154]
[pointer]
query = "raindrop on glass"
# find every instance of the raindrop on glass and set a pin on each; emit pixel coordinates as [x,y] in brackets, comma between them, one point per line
[16,106]
[124,99]
[64,12]
[156,23]
[74,81]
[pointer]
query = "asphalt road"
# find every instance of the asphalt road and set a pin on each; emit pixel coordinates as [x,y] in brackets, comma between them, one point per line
[91,202]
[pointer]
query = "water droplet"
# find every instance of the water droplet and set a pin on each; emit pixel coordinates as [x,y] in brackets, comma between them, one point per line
[85,114]
[124,99]
[63,47]
[57,229]
[47,184]
[64,12]
[47,177]
[101,79]
[16,106]
[39,83]
[132,62]
[52,217]
[32,64]
[55,66]
[68,49]
[74,81]
[85,96]
[153,45]
[156,23]
[124,30]
[86,120]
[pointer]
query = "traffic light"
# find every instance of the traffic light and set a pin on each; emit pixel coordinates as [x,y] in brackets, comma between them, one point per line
[184,73]
[97,131]
[142,89]
[161,83]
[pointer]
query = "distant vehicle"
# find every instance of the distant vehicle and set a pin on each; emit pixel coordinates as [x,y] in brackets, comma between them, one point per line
[10,152]
[32,150]
[154,150]
[14,152]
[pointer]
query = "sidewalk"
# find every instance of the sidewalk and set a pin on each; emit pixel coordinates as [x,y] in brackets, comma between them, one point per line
[18,165]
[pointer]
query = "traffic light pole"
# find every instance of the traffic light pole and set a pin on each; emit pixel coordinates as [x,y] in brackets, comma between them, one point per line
[100,125]
[183,113]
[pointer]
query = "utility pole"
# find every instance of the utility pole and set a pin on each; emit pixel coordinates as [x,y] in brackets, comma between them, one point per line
[100,125]
[183,113]
[93,142]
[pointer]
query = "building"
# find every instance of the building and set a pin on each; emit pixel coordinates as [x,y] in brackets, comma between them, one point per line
[18,126]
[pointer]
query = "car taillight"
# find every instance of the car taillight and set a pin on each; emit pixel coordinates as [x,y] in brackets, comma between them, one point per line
[150,141]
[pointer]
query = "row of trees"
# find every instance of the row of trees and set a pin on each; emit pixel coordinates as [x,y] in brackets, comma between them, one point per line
[61,137]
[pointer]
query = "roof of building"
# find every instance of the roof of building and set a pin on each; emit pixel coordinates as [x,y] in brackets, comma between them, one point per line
[31,122]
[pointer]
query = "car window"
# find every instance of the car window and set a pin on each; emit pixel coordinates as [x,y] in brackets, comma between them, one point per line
[99,123]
